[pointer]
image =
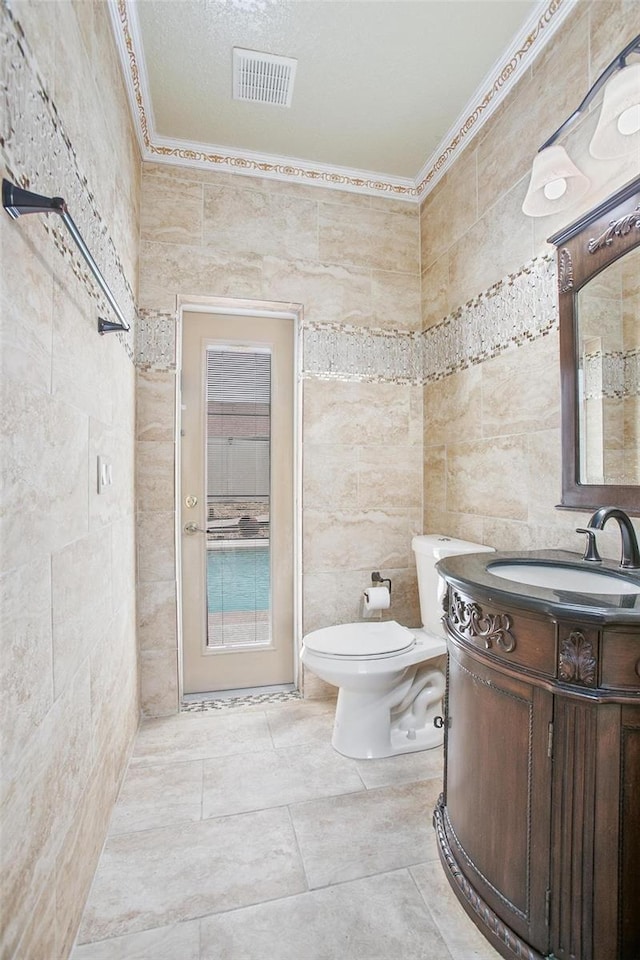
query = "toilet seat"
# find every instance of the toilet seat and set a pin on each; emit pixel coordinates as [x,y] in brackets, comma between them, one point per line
[360,641]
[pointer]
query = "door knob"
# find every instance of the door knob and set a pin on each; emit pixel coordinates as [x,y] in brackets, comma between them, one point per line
[192,528]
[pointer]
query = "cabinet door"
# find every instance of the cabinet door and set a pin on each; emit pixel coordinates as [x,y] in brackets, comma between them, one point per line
[498,791]
[595,911]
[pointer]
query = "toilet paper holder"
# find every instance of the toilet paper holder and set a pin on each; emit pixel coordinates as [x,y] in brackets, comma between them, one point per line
[376,578]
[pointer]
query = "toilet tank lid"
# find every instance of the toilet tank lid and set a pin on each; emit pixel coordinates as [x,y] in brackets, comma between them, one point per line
[438,546]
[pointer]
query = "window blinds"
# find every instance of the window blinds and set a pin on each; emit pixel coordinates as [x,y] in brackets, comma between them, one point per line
[238,427]
[235,376]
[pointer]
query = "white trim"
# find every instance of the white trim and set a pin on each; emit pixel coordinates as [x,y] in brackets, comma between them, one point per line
[133,67]
[177,479]
[546,18]
[270,166]
[239,308]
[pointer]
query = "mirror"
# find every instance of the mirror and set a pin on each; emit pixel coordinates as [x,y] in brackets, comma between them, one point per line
[608,342]
[599,295]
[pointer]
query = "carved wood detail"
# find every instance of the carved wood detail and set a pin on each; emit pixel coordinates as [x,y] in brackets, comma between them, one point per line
[485,916]
[565,271]
[577,662]
[616,228]
[470,620]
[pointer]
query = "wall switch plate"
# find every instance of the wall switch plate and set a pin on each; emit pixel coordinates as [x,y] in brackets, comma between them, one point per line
[105,474]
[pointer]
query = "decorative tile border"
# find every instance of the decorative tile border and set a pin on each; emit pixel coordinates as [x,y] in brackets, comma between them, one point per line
[521,307]
[231,703]
[614,375]
[517,309]
[546,18]
[156,340]
[39,156]
[336,351]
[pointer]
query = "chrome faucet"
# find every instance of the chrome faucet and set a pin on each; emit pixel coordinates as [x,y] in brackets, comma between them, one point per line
[630,559]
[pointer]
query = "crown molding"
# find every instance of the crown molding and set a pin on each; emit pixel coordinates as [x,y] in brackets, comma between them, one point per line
[497,84]
[208,156]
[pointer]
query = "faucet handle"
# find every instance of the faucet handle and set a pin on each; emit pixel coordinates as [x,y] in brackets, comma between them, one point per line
[591,550]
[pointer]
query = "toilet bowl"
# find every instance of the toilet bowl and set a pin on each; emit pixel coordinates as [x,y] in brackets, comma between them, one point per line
[390,682]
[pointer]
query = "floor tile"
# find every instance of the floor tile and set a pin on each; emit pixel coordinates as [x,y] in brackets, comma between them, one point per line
[275,777]
[188,736]
[304,722]
[377,918]
[464,940]
[157,877]
[406,768]
[365,833]
[158,795]
[179,942]
[166,878]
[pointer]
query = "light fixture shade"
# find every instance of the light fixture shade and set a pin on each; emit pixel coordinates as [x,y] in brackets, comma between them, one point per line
[556,183]
[618,130]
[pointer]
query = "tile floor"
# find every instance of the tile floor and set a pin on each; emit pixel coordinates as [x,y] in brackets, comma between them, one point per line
[241,835]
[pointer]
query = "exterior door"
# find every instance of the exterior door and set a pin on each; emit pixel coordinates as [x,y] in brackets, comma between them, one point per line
[237,471]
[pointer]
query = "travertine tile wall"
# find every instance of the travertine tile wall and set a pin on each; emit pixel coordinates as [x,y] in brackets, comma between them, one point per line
[346,259]
[492,451]
[68,660]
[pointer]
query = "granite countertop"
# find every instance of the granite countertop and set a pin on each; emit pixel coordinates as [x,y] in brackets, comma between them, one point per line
[469,573]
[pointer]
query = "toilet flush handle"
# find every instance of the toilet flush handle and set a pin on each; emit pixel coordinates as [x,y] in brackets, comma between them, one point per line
[440,722]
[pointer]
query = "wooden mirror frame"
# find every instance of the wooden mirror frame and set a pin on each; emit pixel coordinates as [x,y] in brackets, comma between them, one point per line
[586,247]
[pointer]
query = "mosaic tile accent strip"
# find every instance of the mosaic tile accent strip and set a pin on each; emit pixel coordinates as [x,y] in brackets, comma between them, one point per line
[342,352]
[39,156]
[205,706]
[517,309]
[156,340]
[613,374]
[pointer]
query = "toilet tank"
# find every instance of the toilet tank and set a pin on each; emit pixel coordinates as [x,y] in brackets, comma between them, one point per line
[429,548]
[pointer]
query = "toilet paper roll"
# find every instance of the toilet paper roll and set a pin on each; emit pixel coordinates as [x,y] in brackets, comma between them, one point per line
[377,598]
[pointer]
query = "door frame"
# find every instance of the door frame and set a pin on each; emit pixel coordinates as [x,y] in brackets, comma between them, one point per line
[244,308]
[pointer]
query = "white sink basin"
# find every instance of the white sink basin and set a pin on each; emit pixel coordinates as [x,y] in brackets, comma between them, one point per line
[561,577]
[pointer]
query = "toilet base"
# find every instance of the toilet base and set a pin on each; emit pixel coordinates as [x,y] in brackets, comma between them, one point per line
[399,743]
[367,726]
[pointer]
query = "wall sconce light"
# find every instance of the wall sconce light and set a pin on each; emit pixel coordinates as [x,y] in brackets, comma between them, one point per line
[556,182]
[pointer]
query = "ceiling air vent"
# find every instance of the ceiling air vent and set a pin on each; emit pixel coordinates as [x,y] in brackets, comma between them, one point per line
[263,77]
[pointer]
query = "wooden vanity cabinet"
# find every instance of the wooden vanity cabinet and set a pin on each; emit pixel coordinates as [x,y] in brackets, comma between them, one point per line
[539,822]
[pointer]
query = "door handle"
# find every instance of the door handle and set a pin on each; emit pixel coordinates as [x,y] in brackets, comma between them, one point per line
[192,528]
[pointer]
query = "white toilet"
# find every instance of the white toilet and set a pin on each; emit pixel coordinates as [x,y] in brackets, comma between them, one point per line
[390,688]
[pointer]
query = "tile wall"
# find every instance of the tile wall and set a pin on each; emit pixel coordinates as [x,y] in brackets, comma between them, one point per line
[349,260]
[374,334]
[68,660]
[492,450]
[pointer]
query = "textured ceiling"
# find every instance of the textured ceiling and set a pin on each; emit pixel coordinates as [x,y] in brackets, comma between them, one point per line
[379,82]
